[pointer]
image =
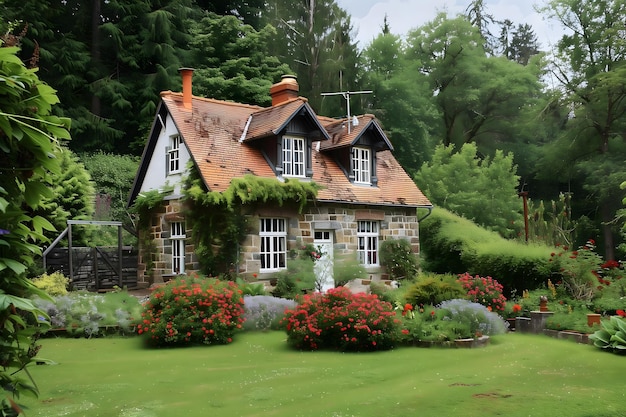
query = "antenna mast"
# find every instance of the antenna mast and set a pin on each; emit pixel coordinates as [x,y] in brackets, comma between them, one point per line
[346,96]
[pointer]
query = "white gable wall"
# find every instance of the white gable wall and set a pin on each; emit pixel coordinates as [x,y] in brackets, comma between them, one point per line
[156,177]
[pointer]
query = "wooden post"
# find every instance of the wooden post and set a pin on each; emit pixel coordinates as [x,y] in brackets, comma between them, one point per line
[524,195]
[94,254]
[119,255]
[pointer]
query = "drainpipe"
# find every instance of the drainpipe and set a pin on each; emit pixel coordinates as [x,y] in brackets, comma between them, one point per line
[430,210]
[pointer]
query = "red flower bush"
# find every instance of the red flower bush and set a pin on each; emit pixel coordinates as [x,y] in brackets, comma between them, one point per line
[580,269]
[192,310]
[484,290]
[341,320]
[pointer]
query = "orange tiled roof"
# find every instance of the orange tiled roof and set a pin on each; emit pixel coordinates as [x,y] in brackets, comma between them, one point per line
[214,134]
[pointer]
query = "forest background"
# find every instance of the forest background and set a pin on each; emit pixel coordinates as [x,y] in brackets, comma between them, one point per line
[463,98]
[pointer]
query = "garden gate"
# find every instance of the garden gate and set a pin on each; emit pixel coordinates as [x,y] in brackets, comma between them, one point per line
[94,269]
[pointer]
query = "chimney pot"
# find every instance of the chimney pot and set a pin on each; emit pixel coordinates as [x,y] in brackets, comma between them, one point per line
[186,74]
[284,90]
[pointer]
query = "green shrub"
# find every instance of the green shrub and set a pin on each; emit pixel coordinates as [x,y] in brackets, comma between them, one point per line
[341,320]
[383,292]
[452,244]
[298,278]
[432,289]
[347,268]
[428,325]
[190,310]
[613,298]
[397,256]
[515,265]
[249,288]
[53,284]
[575,320]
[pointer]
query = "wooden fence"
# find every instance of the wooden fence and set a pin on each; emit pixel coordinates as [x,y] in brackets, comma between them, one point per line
[95,269]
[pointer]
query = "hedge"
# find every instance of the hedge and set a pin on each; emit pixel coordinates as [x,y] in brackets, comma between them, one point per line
[453,244]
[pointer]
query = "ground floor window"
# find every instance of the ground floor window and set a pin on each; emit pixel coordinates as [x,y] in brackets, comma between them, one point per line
[177,238]
[367,235]
[273,252]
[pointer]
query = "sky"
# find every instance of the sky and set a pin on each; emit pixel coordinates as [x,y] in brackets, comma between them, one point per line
[404,15]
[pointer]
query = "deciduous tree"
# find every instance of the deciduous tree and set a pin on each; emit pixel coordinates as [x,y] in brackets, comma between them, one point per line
[590,67]
[482,190]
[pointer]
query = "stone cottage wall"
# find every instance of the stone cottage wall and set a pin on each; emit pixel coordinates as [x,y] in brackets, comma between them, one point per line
[155,258]
[155,254]
[396,223]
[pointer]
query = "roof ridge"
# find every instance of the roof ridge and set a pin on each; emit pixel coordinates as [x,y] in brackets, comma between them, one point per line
[282,104]
[179,96]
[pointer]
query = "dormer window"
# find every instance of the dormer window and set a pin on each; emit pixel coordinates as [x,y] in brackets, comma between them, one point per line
[293,157]
[361,165]
[173,155]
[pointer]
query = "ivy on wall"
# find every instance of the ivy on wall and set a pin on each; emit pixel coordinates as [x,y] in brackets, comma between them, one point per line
[217,219]
[143,209]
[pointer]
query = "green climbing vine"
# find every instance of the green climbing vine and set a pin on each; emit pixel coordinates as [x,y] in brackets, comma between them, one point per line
[144,206]
[218,219]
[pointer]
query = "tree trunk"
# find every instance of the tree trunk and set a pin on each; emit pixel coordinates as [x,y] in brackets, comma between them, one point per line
[95,50]
[606,216]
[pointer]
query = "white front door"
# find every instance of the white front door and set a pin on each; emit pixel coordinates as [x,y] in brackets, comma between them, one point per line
[323,239]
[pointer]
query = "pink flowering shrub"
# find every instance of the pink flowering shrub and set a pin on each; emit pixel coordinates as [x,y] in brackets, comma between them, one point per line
[191,310]
[484,290]
[341,320]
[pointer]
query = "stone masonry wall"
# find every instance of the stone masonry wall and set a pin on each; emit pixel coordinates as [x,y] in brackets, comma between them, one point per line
[395,223]
[155,258]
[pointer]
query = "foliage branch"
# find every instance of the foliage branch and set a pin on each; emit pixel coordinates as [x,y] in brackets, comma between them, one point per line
[29,139]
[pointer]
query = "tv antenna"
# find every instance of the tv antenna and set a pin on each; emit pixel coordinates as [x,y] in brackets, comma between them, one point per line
[346,96]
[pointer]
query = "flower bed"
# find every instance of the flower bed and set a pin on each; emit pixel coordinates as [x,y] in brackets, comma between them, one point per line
[341,320]
[192,310]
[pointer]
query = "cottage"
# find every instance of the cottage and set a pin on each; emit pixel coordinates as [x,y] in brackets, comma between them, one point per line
[365,195]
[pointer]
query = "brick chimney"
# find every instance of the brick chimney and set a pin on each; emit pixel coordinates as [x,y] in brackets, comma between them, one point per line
[186,74]
[285,90]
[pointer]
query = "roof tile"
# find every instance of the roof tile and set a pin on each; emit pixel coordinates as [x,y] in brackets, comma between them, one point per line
[213,129]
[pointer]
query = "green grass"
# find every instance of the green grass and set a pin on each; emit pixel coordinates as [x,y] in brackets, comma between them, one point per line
[258,375]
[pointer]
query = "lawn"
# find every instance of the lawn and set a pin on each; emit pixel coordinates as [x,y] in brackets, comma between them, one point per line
[258,375]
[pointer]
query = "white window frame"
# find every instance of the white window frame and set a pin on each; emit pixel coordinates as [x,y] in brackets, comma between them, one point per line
[294,157]
[368,240]
[173,155]
[361,165]
[178,236]
[273,250]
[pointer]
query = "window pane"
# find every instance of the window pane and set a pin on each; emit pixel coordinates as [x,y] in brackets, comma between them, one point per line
[367,241]
[273,248]
[293,157]
[361,165]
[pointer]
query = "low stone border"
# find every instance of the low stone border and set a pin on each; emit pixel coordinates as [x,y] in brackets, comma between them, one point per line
[569,335]
[478,342]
